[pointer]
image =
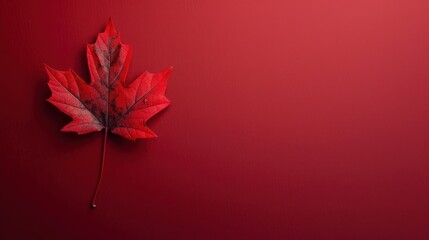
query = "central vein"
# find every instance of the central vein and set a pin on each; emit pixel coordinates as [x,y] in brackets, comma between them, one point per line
[108,83]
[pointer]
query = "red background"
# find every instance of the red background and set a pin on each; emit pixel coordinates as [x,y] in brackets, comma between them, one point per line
[290,120]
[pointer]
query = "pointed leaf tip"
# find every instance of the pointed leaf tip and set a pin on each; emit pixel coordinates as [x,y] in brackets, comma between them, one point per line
[167,72]
[110,28]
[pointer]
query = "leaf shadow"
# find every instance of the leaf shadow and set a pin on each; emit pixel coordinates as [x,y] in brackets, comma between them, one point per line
[129,148]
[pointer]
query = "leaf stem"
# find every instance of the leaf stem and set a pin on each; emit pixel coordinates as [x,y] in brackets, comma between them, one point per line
[101,168]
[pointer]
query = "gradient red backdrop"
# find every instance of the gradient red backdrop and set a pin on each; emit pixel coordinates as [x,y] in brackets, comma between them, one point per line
[290,120]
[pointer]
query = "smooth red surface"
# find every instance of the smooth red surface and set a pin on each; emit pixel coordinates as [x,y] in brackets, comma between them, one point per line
[290,120]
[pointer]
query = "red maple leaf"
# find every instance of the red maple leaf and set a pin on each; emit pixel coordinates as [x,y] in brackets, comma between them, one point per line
[109,101]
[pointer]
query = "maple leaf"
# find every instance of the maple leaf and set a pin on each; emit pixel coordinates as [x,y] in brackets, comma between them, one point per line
[109,101]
